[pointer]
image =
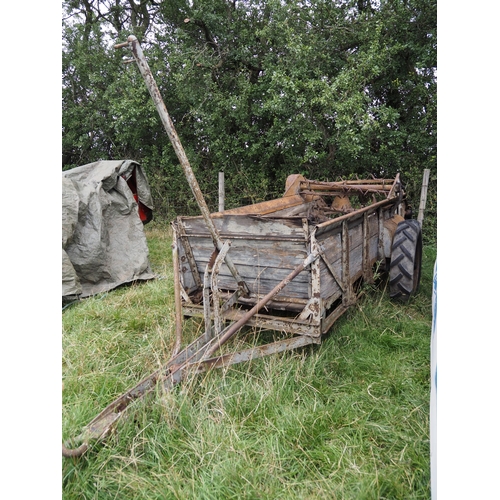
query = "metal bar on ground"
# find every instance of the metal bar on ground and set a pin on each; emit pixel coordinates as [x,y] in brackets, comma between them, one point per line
[253,353]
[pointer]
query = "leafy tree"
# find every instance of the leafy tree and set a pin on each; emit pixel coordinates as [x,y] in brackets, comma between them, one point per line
[257,89]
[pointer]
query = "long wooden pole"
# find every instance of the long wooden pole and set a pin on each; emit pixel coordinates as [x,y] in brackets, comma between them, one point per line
[222,194]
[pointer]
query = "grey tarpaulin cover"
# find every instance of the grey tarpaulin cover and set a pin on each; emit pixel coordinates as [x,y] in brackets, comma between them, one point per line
[103,240]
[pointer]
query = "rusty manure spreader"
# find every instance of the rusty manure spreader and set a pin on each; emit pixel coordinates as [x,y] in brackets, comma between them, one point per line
[293,265]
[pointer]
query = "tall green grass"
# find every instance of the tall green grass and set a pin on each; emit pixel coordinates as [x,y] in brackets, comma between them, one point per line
[347,419]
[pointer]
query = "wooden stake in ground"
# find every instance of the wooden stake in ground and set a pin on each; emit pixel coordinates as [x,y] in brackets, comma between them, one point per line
[423,196]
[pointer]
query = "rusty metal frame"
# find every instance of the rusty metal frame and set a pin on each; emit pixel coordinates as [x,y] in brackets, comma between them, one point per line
[221,318]
[198,354]
[316,317]
[181,234]
[313,308]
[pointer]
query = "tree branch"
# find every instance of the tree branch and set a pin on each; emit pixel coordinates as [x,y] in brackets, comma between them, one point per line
[139,16]
[209,39]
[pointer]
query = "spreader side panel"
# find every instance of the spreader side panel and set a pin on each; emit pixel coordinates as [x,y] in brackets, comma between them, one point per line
[331,264]
[264,250]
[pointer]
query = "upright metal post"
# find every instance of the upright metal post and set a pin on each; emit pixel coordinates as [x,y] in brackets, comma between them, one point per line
[179,151]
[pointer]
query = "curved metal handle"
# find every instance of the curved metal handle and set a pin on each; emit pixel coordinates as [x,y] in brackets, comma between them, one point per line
[74,452]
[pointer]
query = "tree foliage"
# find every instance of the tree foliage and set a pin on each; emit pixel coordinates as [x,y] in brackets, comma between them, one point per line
[258,89]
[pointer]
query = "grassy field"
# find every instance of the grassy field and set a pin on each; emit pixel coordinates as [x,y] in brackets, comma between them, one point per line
[348,419]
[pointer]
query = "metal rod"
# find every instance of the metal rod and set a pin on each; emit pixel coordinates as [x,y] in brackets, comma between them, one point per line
[367,268]
[215,286]
[317,188]
[350,216]
[349,182]
[177,297]
[233,329]
[252,353]
[188,251]
[348,297]
[206,301]
[179,151]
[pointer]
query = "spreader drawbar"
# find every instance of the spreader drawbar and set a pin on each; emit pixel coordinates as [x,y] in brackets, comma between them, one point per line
[195,358]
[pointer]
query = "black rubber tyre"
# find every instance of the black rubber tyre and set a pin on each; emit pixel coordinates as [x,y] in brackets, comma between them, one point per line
[406,260]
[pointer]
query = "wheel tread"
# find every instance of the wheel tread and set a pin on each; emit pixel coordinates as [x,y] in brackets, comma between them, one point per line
[404,268]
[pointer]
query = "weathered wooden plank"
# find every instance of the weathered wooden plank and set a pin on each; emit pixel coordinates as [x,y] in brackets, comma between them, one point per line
[263,279]
[355,256]
[261,268]
[267,249]
[331,242]
[253,273]
[328,226]
[237,226]
[287,255]
[261,263]
[262,286]
[329,285]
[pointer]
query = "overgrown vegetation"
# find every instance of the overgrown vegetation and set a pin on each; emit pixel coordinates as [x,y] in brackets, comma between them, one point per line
[348,419]
[258,89]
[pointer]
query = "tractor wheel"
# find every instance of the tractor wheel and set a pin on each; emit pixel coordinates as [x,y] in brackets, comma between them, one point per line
[406,260]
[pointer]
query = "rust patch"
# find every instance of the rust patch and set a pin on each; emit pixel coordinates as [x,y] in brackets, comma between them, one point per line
[265,207]
[392,224]
[341,204]
[292,185]
[314,307]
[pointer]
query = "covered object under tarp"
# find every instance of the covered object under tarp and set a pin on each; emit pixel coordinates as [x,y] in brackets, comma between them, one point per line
[105,205]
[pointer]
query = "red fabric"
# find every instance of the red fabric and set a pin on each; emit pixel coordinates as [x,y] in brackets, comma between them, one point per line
[145,213]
